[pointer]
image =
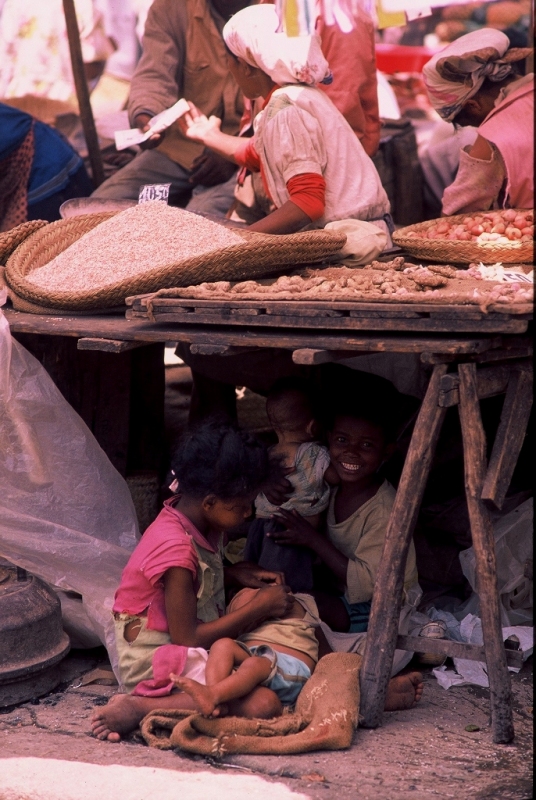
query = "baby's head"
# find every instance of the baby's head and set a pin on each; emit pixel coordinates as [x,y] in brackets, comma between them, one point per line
[289,408]
[222,468]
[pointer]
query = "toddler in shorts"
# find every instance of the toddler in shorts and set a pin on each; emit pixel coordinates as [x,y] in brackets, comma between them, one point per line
[280,654]
[305,462]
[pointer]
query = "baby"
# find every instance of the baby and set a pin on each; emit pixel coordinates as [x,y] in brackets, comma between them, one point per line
[305,463]
[280,654]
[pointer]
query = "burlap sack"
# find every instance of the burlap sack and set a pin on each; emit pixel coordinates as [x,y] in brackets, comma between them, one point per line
[325,718]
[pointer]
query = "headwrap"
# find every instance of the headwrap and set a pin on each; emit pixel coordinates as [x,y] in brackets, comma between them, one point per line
[455,74]
[251,35]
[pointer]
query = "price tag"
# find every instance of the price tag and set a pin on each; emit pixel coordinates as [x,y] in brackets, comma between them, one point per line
[154,191]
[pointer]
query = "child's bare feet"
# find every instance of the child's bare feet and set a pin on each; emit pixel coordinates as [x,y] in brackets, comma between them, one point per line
[403,691]
[203,696]
[121,715]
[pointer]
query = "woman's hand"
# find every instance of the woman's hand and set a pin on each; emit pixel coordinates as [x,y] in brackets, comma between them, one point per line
[298,533]
[198,127]
[245,573]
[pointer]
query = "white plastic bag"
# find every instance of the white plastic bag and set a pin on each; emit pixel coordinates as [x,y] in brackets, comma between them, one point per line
[513,546]
[66,515]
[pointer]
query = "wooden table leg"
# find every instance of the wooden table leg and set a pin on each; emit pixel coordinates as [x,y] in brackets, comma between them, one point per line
[387,598]
[509,438]
[474,447]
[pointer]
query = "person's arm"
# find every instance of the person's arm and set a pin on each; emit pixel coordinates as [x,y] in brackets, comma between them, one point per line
[301,534]
[181,611]
[154,86]
[479,180]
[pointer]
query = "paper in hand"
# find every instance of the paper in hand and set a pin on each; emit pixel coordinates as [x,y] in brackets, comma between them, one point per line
[160,122]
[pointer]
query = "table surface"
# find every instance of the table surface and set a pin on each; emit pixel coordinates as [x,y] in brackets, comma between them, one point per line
[242,333]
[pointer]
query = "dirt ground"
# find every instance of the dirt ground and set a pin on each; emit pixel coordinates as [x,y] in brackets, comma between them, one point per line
[421,753]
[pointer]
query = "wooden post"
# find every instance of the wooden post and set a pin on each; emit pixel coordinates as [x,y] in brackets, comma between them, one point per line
[82,93]
[474,449]
[387,598]
[509,438]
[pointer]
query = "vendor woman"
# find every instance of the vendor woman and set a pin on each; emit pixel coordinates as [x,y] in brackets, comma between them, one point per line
[476,81]
[313,167]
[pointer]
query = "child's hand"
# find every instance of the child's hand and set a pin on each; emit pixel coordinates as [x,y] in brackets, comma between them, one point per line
[197,126]
[299,532]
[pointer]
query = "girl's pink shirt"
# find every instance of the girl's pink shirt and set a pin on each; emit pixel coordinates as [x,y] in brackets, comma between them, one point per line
[166,543]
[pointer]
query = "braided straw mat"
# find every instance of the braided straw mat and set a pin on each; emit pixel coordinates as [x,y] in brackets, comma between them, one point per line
[10,240]
[449,252]
[258,256]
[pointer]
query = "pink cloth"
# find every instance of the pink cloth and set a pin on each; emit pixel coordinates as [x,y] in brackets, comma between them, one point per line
[166,543]
[510,126]
[167,658]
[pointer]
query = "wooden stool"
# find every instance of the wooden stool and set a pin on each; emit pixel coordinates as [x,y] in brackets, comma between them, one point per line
[483,484]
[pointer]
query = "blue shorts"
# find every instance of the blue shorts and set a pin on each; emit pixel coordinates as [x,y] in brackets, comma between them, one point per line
[359,614]
[287,676]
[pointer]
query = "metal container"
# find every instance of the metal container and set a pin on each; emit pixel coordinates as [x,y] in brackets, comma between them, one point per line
[32,640]
[433,630]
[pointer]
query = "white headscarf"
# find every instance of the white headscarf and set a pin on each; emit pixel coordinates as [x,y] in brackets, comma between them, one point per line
[455,74]
[251,35]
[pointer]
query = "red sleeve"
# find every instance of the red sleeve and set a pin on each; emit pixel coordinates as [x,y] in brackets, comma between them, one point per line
[308,192]
[247,156]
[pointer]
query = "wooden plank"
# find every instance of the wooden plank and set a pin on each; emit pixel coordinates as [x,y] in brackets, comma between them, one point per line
[490,382]
[117,327]
[473,652]
[333,321]
[282,307]
[309,356]
[106,345]
[474,445]
[518,348]
[387,597]
[510,436]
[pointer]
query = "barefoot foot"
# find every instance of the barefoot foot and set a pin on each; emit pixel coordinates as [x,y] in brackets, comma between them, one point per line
[203,696]
[120,716]
[404,691]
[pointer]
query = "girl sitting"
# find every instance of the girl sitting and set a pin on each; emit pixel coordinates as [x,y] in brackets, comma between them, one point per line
[312,165]
[170,605]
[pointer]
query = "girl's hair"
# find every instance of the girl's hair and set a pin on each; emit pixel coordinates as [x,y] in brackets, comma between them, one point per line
[218,458]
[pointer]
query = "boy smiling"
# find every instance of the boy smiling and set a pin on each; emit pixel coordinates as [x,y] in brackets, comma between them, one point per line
[357,517]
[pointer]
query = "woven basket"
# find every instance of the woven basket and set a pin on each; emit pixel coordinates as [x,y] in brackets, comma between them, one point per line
[260,255]
[448,252]
[10,240]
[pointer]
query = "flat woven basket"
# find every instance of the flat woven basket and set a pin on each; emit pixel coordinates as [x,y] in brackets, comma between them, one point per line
[447,252]
[10,240]
[260,255]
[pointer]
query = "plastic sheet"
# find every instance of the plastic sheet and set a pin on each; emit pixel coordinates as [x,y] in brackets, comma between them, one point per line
[66,515]
[514,547]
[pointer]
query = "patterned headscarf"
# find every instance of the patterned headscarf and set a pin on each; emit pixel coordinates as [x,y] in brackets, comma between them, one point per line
[251,35]
[455,74]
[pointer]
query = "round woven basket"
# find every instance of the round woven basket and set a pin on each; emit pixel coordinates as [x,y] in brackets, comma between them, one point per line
[10,240]
[258,256]
[448,252]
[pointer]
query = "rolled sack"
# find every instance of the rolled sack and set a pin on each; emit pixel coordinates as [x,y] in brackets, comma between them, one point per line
[364,241]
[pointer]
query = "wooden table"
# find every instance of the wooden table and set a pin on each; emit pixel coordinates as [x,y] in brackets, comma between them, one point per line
[472,356]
